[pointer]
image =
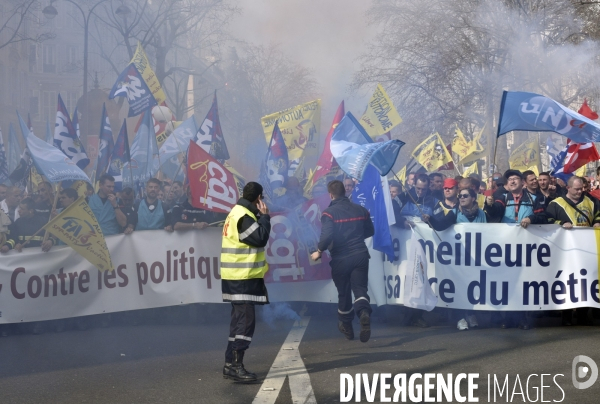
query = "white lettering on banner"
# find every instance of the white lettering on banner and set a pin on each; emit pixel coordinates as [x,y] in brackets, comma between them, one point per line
[281,250]
[475,266]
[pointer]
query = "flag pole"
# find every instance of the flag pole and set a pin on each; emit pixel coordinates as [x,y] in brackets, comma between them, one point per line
[418,207]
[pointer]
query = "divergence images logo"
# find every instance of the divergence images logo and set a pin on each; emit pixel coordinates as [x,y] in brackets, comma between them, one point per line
[579,373]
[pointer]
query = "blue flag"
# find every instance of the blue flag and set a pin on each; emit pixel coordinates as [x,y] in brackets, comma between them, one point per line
[354,150]
[119,157]
[65,137]
[14,149]
[142,155]
[369,194]
[534,112]
[131,84]
[274,170]
[52,163]
[106,143]
[175,148]
[3,161]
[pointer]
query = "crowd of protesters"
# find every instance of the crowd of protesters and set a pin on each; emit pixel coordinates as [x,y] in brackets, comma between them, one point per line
[513,197]
[165,205]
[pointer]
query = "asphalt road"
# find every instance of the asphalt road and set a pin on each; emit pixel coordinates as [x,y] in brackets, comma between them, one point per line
[161,362]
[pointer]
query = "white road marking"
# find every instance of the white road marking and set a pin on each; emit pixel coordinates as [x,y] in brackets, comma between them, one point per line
[288,363]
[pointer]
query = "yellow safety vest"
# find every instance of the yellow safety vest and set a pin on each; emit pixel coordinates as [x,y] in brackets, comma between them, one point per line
[240,261]
[577,219]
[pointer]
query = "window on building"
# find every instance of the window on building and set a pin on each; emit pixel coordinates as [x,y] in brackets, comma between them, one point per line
[49,58]
[32,58]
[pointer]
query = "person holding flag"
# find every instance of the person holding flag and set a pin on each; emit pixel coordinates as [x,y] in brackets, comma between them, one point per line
[345,226]
[25,230]
[184,216]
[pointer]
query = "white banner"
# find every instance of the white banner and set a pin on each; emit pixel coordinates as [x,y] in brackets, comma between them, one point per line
[503,266]
[476,266]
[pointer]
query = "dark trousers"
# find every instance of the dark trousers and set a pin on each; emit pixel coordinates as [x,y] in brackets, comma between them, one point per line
[241,328]
[351,275]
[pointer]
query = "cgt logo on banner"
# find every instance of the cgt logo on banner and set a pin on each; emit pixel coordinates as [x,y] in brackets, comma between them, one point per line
[294,236]
[213,186]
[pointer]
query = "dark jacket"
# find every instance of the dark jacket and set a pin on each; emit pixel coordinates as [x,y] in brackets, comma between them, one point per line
[23,228]
[506,210]
[260,236]
[345,226]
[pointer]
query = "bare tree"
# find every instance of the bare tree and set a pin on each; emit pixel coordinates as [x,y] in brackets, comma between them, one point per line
[14,21]
[259,80]
[182,38]
[448,62]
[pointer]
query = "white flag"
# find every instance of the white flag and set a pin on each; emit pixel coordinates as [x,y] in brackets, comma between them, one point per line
[417,291]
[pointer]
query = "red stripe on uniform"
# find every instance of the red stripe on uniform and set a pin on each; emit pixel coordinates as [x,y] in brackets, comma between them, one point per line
[352,219]
[327,214]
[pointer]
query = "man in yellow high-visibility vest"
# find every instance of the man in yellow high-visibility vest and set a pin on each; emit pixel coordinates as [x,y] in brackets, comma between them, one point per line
[243,267]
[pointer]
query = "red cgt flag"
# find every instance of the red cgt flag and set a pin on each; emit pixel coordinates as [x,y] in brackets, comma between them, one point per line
[213,186]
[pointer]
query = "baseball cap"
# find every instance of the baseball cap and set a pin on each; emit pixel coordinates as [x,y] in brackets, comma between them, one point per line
[450,183]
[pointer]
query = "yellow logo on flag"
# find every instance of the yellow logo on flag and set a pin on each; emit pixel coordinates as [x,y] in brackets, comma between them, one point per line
[381,115]
[432,153]
[77,227]
[525,156]
[140,60]
[300,129]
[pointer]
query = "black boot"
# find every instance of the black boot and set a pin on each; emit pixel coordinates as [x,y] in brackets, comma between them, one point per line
[365,326]
[227,370]
[346,329]
[238,373]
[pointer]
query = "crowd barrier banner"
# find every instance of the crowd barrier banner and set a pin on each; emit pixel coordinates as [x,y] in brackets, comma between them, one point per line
[475,266]
[503,266]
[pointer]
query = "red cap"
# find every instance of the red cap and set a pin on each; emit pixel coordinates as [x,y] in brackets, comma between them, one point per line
[450,183]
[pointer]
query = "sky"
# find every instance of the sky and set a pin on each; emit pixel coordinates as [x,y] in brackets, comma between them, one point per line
[325,35]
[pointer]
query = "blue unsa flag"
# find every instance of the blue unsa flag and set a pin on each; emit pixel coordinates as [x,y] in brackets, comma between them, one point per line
[369,194]
[534,112]
[52,163]
[65,137]
[354,150]
[132,85]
